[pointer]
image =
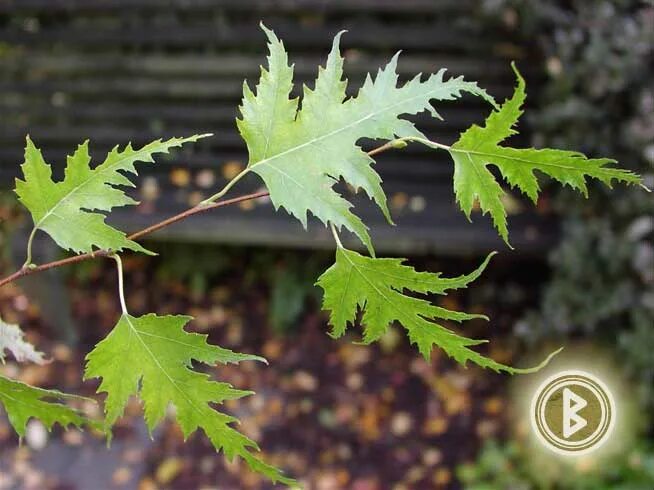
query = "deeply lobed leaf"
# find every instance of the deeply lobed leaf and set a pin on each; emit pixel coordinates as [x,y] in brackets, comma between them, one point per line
[301,153]
[377,287]
[71,211]
[151,356]
[23,402]
[479,147]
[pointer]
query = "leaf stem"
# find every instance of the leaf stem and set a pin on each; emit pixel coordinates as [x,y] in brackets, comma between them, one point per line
[227,187]
[121,284]
[30,241]
[336,237]
[426,142]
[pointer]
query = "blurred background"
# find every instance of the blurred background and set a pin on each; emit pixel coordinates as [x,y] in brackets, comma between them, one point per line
[335,414]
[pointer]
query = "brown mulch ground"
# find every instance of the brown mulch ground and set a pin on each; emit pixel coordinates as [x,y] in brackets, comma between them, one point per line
[334,414]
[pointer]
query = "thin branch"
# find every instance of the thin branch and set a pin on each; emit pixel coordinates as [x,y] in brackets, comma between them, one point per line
[29,269]
[200,208]
[225,189]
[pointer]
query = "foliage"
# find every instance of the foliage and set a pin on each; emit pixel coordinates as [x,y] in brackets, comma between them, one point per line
[478,147]
[509,466]
[376,287]
[163,376]
[599,97]
[23,402]
[300,154]
[65,210]
[598,58]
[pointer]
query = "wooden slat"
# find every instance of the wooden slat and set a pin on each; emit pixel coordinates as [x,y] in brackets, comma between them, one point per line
[143,87]
[242,65]
[135,70]
[248,6]
[437,37]
[440,227]
[423,167]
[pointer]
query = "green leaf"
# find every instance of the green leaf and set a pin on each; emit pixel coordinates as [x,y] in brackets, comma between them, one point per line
[11,339]
[23,402]
[151,356]
[301,154]
[377,287]
[479,147]
[71,211]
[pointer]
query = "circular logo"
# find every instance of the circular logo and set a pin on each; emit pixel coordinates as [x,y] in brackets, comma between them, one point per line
[573,412]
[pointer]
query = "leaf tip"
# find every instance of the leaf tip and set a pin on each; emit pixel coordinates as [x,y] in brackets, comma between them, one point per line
[270,34]
[505,238]
[539,366]
[547,360]
[514,67]
[337,37]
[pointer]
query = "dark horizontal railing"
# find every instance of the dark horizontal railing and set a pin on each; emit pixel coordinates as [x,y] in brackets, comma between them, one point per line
[115,71]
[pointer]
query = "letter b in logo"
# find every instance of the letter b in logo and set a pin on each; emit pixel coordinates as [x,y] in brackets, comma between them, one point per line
[572,404]
[573,412]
